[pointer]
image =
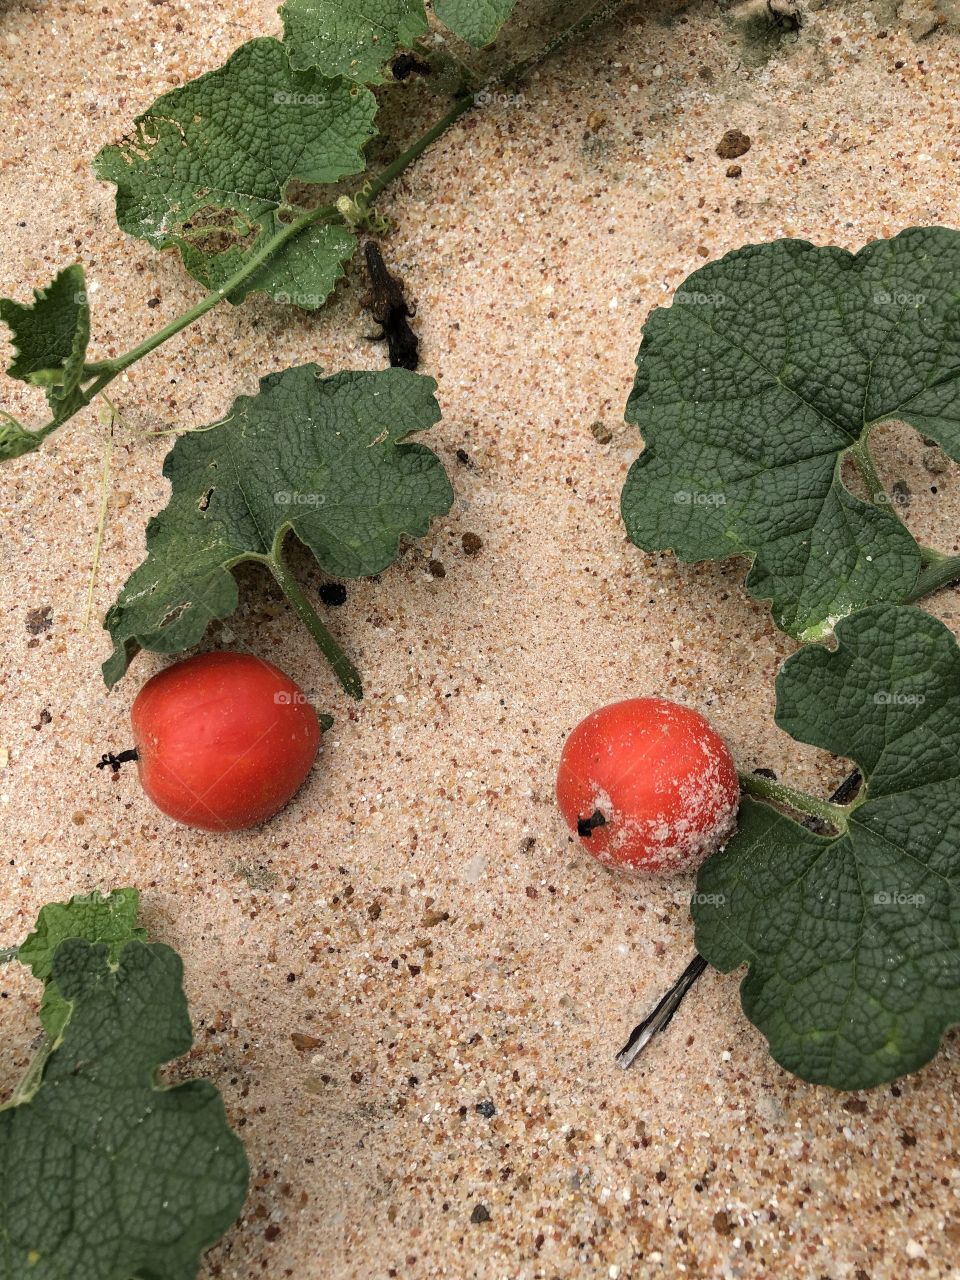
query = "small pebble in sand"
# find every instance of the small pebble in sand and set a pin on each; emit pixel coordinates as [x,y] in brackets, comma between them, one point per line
[480,1213]
[303,1042]
[935,460]
[471,543]
[601,432]
[39,619]
[436,569]
[733,143]
[734,171]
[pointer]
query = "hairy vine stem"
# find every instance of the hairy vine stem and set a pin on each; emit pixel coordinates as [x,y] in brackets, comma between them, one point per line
[764,788]
[940,571]
[344,669]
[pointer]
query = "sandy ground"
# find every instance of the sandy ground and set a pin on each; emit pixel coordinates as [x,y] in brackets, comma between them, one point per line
[536,244]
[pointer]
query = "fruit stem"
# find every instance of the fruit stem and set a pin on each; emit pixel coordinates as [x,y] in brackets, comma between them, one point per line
[110,761]
[941,571]
[345,671]
[586,826]
[776,793]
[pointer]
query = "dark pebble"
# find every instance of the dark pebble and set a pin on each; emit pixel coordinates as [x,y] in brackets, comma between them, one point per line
[333,594]
[734,143]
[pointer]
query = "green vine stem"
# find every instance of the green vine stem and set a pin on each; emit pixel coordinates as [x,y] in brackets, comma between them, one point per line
[109,369]
[345,671]
[764,788]
[940,571]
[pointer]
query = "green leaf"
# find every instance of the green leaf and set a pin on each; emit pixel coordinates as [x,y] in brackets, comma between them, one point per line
[476,21]
[104,1174]
[207,168]
[768,370]
[50,337]
[111,920]
[853,939]
[321,458]
[352,38]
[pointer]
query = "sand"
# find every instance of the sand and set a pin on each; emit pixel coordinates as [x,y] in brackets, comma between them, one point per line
[421,912]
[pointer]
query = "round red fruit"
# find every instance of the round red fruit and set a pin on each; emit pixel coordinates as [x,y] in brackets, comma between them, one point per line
[648,784]
[224,740]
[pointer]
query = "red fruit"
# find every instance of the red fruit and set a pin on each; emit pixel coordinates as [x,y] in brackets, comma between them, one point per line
[648,784]
[224,740]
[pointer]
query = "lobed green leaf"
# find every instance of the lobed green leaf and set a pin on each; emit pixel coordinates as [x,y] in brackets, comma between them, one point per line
[322,458]
[104,1174]
[768,371]
[852,941]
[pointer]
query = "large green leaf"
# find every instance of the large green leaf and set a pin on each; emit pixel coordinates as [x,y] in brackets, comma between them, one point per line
[853,940]
[50,337]
[111,920]
[104,1174]
[206,169]
[768,370]
[322,458]
[352,38]
[476,21]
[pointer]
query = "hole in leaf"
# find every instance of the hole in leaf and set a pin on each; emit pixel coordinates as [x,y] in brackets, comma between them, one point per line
[212,230]
[175,614]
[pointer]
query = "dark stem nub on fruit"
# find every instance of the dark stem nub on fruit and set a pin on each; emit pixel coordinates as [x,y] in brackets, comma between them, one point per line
[111,761]
[585,826]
